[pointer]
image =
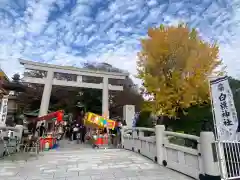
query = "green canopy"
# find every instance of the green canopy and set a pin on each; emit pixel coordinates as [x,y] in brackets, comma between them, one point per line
[34,113]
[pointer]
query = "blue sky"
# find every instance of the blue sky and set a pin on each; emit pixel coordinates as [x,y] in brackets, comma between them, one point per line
[70,32]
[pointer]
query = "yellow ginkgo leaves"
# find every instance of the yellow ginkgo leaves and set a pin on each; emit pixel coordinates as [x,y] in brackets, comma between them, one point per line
[174,65]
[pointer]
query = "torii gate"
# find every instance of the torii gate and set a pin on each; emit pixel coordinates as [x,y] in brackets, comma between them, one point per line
[51,78]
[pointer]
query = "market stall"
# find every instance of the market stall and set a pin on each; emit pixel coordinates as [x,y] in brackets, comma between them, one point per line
[98,124]
[49,141]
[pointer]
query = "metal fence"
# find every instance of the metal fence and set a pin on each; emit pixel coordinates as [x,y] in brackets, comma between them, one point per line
[229,156]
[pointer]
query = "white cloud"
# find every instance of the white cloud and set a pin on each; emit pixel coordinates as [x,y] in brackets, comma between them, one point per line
[38,13]
[106,31]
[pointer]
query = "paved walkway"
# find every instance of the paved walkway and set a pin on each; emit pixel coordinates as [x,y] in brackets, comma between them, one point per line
[86,164]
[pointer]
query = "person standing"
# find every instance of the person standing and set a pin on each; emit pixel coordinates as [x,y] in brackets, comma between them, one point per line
[80,118]
[83,133]
[119,128]
[60,131]
[80,121]
[41,130]
[70,133]
[67,130]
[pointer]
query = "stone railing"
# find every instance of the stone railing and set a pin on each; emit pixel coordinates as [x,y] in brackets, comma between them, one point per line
[187,154]
[14,134]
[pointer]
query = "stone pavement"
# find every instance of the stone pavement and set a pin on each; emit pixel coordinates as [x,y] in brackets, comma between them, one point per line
[87,164]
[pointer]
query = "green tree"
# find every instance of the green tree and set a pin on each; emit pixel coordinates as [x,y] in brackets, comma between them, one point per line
[16,78]
[235,86]
[144,119]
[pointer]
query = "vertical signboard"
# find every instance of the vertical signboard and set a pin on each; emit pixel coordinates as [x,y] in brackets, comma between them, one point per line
[3,110]
[224,111]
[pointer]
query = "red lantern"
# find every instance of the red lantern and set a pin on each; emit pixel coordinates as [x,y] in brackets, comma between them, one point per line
[59,116]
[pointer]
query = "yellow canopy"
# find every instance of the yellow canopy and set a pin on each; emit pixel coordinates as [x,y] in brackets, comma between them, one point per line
[94,120]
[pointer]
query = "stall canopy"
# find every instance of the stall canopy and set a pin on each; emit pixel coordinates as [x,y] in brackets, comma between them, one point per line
[65,118]
[58,114]
[94,120]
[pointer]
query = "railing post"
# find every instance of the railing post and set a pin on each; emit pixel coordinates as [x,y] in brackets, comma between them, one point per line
[122,135]
[209,157]
[159,132]
[140,134]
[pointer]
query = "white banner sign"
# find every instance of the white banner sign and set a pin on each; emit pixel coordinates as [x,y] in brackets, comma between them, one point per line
[3,110]
[225,114]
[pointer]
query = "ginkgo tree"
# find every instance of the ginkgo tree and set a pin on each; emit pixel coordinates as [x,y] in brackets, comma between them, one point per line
[174,65]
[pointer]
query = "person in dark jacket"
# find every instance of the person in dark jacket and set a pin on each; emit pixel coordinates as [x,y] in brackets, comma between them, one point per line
[41,130]
[80,118]
[70,133]
[83,133]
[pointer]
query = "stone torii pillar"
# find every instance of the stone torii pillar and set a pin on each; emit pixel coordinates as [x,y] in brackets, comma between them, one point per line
[105,98]
[46,94]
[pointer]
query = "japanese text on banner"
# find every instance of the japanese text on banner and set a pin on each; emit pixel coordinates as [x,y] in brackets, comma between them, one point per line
[226,120]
